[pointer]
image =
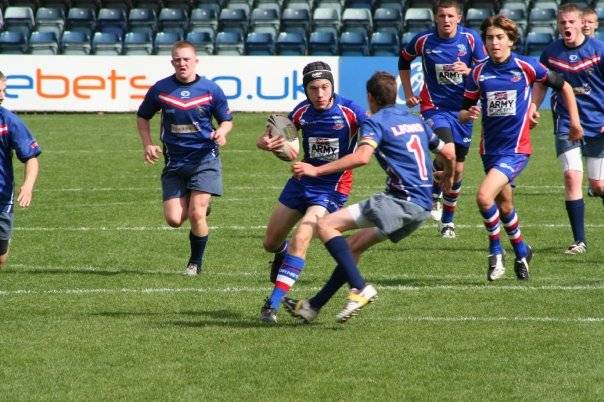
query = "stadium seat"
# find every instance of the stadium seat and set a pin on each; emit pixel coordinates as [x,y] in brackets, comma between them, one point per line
[357,19]
[164,40]
[295,20]
[81,20]
[75,43]
[265,20]
[19,19]
[366,4]
[203,18]
[421,4]
[233,20]
[112,20]
[599,35]
[406,38]
[214,5]
[536,42]
[333,4]
[33,4]
[400,6]
[93,4]
[323,43]
[542,17]
[475,16]
[600,13]
[244,5]
[291,44]
[154,5]
[388,20]
[259,44]
[515,4]
[418,19]
[138,43]
[106,43]
[173,20]
[518,15]
[298,5]
[229,43]
[62,4]
[182,4]
[384,44]
[43,42]
[123,5]
[142,20]
[13,42]
[203,41]
[326,19]
[353,43]
[50,19]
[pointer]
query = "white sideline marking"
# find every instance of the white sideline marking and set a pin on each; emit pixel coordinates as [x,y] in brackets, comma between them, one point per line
[264,289]
[495,319]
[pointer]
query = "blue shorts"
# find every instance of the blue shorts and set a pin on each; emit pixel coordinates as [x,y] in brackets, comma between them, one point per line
[6,222]
[593,147]
[509,165]
[563,144]
[296,195]
[462,132]
[205,177]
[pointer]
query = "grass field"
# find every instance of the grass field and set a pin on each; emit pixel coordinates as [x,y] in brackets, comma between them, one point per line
[93,305]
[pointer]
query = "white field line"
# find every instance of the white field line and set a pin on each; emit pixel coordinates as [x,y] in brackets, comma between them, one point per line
[247,227]
[588,320]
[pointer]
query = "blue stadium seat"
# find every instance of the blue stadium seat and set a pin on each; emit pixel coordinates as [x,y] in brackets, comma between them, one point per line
[93,4]
[599,35]
[407,36]
[388,20]
[298,5]
[234,20]
[245,5]
[142,20]
[154,5]
[164,40]
[50,19]
[366,4]
[291,44]
[182,4]
[542,17]
[475,16]
[518,15]
[173,20]
[265,20]
[259,44]
[203,41]
[33,4]
[536,42]
[600,13]
[19,19]
[333,4]
[400,6]
[44,42]
[138,43]
[203,18]
[123,5]
[418,19]
[228,43]
[62,4]
[353,43]
[357,19]
[515,4]
[81,20]
[295,20]
[214,5]
[13,42]
[384,44]
[75,43]
[112,20]
[326,19]
[106,43]
[323,43]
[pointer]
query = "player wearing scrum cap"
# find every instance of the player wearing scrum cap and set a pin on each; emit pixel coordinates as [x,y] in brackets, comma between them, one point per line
[329,125]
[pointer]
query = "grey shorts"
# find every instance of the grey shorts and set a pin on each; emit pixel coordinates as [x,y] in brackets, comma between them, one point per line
[563,144]
[394,217]
[6,224]
[205,177]
[593,147]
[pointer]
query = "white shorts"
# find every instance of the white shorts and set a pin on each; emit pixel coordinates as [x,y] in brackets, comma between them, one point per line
[571,159]
[595,168]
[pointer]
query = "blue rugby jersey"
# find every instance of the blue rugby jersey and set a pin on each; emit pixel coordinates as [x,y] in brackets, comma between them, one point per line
[402,142]
[443,88]
[328,135]
[583,68]
[14,135]
[504,90]
[186,117]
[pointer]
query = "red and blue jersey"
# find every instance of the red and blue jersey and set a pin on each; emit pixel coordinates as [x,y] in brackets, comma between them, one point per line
[14,136]
[504,90]
[402,143]
[186,118]
[583,68]
[443,88]
[328,135]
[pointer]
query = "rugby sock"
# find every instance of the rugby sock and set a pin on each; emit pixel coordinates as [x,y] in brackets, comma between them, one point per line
[436,190]
[449,203]
[511,223]
[491,223]
[288,275]
[576,216]
[333,284]
[198,246]
[339,250]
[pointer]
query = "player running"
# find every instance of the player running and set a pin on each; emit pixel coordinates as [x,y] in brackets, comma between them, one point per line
[447,51]
[579,59]
[502,84]
[400,142]
[329,125]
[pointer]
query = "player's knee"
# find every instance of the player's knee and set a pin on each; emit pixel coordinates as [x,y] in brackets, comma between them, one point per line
[271,245]
[483,200]
[3,252]
[598,188]
[197,215]
[174,221]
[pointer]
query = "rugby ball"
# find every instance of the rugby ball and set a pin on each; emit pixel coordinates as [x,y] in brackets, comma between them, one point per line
[281,126]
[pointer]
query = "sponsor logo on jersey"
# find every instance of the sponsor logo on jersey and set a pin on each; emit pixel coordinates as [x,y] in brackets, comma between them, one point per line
[461,50]
[185,94]
[573,58]
[516,76]
[501,103]
[325,149]
[435,51]
[485,77]
[446,74]
[184,128]
[585,89]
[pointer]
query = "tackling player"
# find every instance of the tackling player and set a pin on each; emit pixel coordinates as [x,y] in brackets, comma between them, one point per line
[329,125]
[447,51]
[502,85]
[193,172]
[14,136]
[400,142]
[579,59]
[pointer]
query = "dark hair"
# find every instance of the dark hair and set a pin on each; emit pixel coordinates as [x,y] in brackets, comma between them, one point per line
[2,76]
[447,4]
[500,21]
[382,87]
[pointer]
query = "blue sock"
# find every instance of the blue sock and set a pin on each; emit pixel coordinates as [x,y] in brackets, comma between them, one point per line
[198,246]
[576,216]
[333,284]
[288,275]
[492,225]
[450,202]
[511,223]
[339,250]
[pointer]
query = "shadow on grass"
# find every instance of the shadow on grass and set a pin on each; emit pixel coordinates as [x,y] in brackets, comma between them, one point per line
[82,271]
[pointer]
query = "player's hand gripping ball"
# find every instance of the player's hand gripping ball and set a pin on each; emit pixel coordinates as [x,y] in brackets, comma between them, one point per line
[281,126]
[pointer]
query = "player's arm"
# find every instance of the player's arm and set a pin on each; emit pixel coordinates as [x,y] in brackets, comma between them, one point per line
[469,110]
[404,71]
[32,167]
[360,157]
[269,142]
[152,152]
[447,153]
[557,83]
[220,134]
